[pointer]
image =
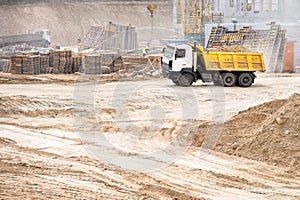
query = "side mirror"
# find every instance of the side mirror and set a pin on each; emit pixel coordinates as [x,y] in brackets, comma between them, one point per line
[176,56]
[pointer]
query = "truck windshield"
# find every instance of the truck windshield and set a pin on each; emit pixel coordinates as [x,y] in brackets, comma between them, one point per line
[168,52]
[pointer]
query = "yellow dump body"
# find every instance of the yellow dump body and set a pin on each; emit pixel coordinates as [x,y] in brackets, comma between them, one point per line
[233,61]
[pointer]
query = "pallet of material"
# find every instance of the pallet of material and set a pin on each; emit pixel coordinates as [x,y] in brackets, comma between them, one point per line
[31,65]
[45,64]
[68,65]
[5,66]
[102,63]
[16,64]
[93,64]
[64,61]
[76,64]
[55,62]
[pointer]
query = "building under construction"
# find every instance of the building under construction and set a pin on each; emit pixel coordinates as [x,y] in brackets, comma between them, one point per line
[268,31]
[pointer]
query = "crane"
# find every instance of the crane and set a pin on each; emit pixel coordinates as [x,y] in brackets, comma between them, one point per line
[193,15]
[152,9]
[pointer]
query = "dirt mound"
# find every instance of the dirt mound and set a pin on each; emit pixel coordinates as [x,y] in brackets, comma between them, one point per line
[268,132]
[68,21]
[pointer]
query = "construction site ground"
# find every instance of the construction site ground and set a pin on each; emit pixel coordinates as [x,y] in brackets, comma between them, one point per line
[256,155]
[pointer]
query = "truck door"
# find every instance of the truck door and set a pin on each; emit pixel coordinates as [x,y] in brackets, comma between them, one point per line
[180,60]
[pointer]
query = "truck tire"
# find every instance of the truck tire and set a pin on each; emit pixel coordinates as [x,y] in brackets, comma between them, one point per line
[229,79]
[186,79]
[245,80]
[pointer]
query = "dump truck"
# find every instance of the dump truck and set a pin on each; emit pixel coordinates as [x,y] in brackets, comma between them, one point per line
[185,64]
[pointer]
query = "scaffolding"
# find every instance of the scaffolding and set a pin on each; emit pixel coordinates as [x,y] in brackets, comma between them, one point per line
[265,5]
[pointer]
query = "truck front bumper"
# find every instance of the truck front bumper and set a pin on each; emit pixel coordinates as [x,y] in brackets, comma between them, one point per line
[167,73]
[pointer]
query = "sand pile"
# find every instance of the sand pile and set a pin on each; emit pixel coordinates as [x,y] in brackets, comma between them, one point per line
[269,132]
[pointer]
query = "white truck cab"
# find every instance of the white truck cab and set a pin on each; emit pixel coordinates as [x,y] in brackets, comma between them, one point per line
[175,58]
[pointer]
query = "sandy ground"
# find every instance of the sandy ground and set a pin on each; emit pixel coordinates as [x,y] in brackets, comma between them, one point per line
[130,140]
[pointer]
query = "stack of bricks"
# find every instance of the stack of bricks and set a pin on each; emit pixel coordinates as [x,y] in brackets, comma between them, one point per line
[16,64]
[7,66]
[45,64]
[68,59]
[55,62]
[31,64]
[92,64]
[76,64]
[103,63]
[51,61]
[62,61]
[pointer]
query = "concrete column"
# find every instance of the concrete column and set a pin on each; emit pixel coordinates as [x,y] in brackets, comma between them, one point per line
[174,12]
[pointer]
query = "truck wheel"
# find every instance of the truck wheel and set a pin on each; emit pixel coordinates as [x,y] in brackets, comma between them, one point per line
[186,79]
[229,79]
[245,80]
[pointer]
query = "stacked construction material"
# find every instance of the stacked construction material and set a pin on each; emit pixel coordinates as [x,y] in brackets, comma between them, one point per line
[76,64]
[102,63]
[92,64]
[5,65]
[31,64]
[110,37]
[45,64]
[55,62]
[68,65]
[135,60]
[64,62]
[16,64]
[51,61]
[113,61]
